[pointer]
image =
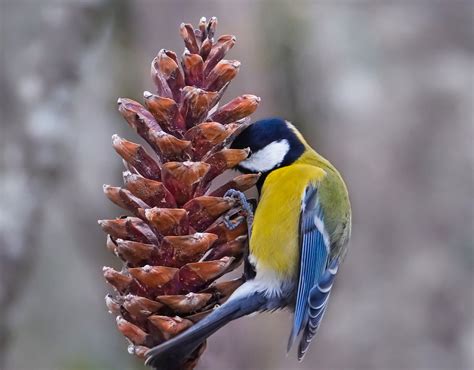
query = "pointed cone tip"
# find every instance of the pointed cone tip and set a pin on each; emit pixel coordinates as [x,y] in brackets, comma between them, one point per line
[149,212]
[116,139]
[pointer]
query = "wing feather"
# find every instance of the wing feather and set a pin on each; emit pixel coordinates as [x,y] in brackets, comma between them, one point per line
[317,272]
[313,257]
[317,304]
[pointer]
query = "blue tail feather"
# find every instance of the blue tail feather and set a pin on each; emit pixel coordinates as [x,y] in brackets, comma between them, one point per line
[173,354]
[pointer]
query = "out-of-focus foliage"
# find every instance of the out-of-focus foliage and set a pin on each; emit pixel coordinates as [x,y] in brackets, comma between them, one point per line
[383,89]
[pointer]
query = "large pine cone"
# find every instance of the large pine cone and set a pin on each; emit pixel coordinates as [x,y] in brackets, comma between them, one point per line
[176,240]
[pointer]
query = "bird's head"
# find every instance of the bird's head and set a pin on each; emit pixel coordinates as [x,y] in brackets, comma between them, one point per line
[273,143]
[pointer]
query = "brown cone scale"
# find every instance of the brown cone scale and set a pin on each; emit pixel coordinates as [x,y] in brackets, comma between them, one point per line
[174,240]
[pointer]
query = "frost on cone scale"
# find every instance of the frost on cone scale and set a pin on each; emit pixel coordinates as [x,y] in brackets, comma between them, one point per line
[174,242]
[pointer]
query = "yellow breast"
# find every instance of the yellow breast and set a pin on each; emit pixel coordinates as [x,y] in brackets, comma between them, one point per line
[274,243]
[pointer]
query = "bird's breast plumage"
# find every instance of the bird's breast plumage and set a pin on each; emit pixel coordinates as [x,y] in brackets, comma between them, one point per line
[274,244]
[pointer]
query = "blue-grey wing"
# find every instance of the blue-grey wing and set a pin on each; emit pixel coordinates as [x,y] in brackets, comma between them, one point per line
[315,278]
[317,304]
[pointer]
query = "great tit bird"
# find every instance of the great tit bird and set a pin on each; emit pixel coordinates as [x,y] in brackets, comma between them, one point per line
[301,228]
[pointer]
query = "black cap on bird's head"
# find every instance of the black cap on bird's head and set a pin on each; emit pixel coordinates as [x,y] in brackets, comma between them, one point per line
[273,143]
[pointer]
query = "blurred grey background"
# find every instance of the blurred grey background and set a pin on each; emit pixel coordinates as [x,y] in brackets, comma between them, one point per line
[384,89]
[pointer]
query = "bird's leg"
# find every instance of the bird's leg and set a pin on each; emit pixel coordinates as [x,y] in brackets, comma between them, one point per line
[246,206]
[249,270]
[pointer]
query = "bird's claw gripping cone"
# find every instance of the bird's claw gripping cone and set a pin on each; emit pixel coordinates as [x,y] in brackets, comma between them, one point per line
[246,206]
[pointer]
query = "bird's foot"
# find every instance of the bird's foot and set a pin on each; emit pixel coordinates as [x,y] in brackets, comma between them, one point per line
[246,206]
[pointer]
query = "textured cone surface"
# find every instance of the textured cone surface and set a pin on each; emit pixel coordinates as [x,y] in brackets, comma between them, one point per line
[173,240]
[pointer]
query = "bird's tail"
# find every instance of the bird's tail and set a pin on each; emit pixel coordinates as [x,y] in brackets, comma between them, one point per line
[172,354]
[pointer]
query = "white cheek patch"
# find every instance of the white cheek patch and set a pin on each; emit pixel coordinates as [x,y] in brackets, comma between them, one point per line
[268,157]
